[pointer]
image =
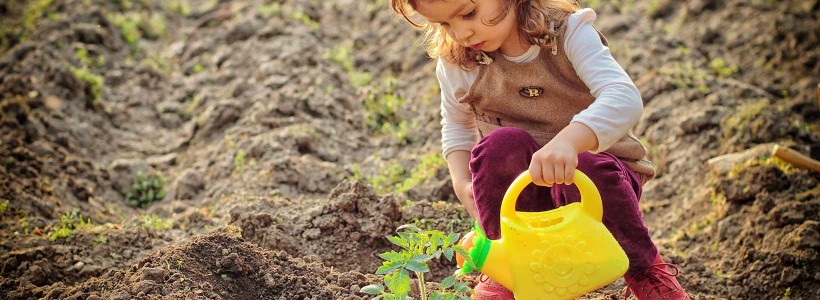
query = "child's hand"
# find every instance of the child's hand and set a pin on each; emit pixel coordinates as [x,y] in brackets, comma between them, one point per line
[464,192]
[554,163]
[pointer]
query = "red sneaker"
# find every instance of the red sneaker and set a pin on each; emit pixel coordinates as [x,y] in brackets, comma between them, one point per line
[489,289]
[657,282]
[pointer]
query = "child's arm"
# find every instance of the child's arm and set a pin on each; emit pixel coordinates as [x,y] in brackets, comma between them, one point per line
[617,107]
[457,130]
[459,162]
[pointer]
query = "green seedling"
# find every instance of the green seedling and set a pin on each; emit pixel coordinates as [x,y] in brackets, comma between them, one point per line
[101,239]
[426,169]
[270,10]
[145,189]
[722,68]
[24,224]
[70,223]
[153,221]
[418,247]
[180,7]
[94,84]
[239,161]
[305,19]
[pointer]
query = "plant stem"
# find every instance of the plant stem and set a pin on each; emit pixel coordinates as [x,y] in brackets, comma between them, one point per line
[422,289]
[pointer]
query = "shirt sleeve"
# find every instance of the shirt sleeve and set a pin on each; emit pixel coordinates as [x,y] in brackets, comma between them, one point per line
[458,127]
[618,105]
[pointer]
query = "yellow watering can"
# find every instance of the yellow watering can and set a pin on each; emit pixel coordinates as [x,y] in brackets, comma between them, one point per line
[558,254]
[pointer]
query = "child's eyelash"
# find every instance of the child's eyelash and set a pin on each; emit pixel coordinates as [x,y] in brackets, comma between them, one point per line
[470,14]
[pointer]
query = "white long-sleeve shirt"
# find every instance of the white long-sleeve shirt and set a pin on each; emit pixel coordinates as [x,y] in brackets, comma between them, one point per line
[616,109]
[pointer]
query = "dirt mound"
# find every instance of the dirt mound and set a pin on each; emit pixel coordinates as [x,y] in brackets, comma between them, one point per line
[766,234]
[34,264]
[345,232]
[220,265]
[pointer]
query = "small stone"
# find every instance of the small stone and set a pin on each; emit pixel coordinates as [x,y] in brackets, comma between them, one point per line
[789,275]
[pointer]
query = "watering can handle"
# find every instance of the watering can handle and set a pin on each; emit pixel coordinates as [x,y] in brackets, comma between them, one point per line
[590,198]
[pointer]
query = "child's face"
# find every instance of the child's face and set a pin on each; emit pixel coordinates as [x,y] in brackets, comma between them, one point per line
[464,21]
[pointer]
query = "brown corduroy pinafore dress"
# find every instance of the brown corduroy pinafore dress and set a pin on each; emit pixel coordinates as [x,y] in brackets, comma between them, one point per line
[541,96]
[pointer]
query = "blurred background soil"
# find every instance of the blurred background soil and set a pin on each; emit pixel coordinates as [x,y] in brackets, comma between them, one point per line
[262,149]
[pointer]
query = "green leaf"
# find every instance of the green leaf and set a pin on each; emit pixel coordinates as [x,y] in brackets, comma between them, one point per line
[448,253]
[452,239]
[421,258]
[398,241]
[413,240]
[436,296]
[447,282]
[398,282]
[373,289]
[467,259]
[462,287]
[435,241]
[407,238]
[391,256]
[389,266]
[417,267]
[437,254]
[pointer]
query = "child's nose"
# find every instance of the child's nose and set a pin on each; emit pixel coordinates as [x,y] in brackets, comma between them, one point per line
[462,35]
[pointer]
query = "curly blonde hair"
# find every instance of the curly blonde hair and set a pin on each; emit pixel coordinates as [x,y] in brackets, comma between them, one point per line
[537,20]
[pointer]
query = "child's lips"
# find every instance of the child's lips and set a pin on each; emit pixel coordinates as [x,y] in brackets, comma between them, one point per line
[477,46]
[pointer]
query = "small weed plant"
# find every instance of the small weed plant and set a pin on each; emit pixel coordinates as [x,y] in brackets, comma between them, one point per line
[129,26]
[180,7]
[393,177]
[34,10]
[94,84]
[240,162]
[418,247]
[381,110]
[426,169]
[721,68]
[70,223]
[305,19]
[342,54]
[270,10]
[153,221]
[145,189]
[25,225]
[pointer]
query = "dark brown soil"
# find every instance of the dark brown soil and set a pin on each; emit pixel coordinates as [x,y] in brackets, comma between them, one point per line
[282,183]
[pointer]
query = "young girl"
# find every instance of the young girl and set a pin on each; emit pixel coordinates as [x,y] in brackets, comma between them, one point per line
[531,85]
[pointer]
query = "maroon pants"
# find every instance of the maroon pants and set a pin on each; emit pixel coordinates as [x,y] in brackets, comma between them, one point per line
[501,156]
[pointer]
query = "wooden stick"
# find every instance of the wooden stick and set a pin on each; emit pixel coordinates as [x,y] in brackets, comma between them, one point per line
[796,158]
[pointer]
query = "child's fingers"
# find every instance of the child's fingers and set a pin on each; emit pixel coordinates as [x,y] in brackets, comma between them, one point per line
[535,172]
[548,173]
[569,174]
[559,173]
